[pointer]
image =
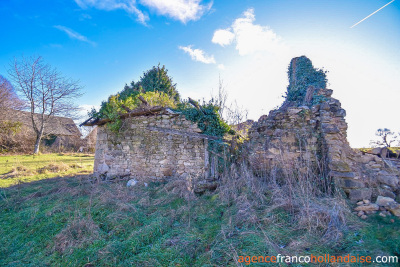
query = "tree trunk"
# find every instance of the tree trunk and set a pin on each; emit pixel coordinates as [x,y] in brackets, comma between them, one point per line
[37,143]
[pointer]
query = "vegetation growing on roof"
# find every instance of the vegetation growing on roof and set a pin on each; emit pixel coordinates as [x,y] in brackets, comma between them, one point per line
[154,80]
[157,88]
[117,105]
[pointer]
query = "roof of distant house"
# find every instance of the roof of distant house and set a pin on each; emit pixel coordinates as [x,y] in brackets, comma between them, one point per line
[55,125]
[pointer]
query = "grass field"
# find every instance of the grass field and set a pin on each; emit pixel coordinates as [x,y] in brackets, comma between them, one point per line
[27,168]
[71,222]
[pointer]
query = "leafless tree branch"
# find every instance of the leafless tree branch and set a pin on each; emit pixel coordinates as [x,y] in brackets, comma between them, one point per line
[46,91]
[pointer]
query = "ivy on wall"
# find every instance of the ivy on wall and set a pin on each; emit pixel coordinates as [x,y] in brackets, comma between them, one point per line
[207,118]
[301,76]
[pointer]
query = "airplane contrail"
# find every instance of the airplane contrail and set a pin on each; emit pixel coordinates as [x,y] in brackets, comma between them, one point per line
[372,14]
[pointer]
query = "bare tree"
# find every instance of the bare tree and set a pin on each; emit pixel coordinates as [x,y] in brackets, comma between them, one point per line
[232,114]
[8,98]
[236,114]
[45,90]
[220,98]
[386,137]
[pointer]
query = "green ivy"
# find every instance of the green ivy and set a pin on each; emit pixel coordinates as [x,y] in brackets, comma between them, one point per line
[208,119]
[301,75]
[210,123]
[318,99]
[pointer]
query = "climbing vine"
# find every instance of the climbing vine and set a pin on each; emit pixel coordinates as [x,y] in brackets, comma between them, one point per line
[301,76]
[207,118]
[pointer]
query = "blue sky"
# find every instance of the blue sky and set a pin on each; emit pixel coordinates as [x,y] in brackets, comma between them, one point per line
[249,44]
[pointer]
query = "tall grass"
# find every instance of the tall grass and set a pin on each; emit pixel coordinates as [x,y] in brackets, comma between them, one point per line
[74,222]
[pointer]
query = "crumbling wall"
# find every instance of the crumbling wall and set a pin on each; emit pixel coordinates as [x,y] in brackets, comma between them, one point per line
[318,133]
[152,148]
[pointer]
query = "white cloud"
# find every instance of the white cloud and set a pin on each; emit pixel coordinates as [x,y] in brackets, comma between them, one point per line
[249,37]
[223,37]
[221,66]
[127,5]
[198,55]
[74,35]
[84,17]
[182,10]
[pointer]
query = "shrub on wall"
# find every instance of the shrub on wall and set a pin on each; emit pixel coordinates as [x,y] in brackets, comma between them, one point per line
[157,88]
[116,105]
[207,118]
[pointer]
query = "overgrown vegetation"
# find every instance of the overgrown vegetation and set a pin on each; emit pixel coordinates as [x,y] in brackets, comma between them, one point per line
[18,169]
[118,104]
[8,132]
[301,76]
[158,89]
[207,118]
[70,221]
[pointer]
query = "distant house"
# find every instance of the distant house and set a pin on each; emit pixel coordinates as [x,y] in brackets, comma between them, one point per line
[59,132]
[89,142]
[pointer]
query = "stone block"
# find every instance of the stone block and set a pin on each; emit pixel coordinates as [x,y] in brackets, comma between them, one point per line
[103,168]
[367,207]
[330,129]
[339,166]
[342,174]
[390,180]
[348,183]
[383,201]
[394,208]
[360,194]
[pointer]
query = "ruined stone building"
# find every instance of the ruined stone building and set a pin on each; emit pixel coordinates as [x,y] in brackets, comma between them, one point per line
[154,146]
[309,131]
[306,134]
[319,135]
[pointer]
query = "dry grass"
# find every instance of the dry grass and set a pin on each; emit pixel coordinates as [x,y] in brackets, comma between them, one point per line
[17,171]
[77,233]
[54,168]
[309,203]
[71,221]
[180,188]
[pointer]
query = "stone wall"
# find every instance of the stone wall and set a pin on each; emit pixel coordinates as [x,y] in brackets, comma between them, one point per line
[317,134]
[153,147]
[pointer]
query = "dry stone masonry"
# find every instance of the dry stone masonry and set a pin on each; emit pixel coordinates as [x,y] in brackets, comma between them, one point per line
[316,133]
[151,148]
[308,133]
